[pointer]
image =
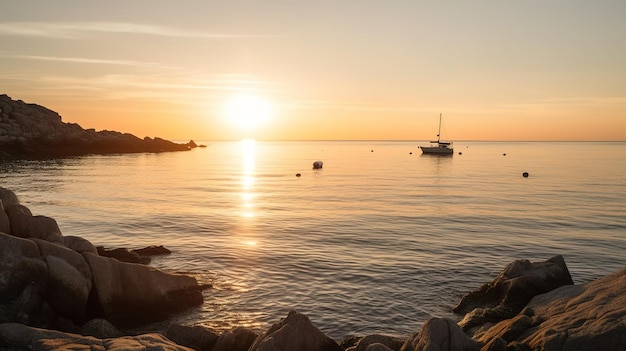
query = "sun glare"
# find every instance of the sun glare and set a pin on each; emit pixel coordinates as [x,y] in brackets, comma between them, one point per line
[247,112]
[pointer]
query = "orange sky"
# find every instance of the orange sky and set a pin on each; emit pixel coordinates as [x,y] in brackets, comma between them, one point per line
[531,70]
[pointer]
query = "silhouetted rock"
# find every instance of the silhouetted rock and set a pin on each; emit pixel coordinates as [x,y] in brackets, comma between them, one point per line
[196,337]
[296,332]
[33,131]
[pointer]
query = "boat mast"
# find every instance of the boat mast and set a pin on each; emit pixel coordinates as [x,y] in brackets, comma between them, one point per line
[439,131]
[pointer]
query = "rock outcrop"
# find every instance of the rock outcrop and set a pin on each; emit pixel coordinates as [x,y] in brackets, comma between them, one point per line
[30,131]
[48,281]
[510,291]
[15,336]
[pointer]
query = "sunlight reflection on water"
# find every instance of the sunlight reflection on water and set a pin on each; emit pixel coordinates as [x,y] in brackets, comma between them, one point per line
[375,242]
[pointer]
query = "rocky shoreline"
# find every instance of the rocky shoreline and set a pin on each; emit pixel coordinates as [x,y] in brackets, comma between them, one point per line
[30,131]
[61,292]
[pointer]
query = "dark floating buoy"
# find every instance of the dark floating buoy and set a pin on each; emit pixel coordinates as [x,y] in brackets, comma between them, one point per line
[297,174]
[318,165]
[525,174]
[504,154]
[372,150]
[411,153]
[460,153]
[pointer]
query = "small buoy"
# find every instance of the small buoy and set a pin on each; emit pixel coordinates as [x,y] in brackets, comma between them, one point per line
[460,153]
[372,150]
[410,153]
[525,174]
[318,165]
[297,174]
[503,154]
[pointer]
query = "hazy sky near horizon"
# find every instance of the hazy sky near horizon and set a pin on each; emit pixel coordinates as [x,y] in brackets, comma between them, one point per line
[496,69]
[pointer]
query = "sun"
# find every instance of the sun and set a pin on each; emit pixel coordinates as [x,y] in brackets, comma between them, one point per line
[247,112]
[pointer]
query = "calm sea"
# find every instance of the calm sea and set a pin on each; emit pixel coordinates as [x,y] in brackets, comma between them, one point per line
[377,241]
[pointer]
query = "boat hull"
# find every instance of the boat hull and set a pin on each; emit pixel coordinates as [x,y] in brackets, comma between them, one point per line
[437,150]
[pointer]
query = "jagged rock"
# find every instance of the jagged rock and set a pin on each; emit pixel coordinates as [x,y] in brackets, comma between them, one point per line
[238,339]
[440,334]
[296,332]
[33,131]
[196,337]
[130,294]
[14,336]
[509,293]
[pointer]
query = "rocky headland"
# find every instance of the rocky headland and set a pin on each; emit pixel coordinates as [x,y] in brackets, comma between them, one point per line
[30,131]
[61,292]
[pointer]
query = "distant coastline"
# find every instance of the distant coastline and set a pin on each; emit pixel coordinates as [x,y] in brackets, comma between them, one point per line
[31,131]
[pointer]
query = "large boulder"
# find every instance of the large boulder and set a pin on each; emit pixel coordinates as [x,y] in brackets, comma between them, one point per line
[296,332]
[440,334]
[129,294]
[23,282]
[25,225]
[69,280]
[511,290]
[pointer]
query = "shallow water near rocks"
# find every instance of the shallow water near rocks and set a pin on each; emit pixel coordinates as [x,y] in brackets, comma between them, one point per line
[377,241]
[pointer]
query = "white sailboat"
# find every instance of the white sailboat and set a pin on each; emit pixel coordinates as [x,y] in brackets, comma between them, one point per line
[438,147]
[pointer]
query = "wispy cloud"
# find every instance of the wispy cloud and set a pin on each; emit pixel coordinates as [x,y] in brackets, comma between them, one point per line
[77,30]
[84,60]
